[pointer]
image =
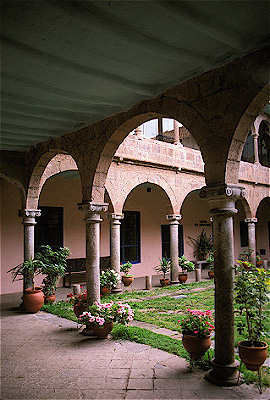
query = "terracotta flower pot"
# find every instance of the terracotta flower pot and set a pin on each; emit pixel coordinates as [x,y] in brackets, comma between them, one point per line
[79,309]
[33,300]
[259,263]
[103,331]
[211,274]
[127,280]
[252,356]
[49,299]
[182,277]
[196,346]
[164,282]
[105,290]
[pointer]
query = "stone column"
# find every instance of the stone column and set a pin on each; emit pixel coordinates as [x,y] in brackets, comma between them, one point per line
[138,132]
[92,218]
[222,201]
[255,136]
[29,222]
[252,238]
[115,245]
[160,126]
[176,132]
[174,246]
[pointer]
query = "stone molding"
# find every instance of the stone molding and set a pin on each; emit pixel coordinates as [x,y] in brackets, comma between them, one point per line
[92,207]
[221,192]
[251,220]
[29,216]
[115,218]
[173,217]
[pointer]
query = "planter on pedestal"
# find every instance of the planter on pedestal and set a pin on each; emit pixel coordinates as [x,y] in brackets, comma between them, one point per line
[127,280]
[182,277]
[164,282]
[252,356]
[196,346]
[103,331]
[105,290]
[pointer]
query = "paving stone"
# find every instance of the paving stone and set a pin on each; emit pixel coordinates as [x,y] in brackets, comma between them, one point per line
[134,383]
[140,394]
[164,393]
[110,394]
[142,373]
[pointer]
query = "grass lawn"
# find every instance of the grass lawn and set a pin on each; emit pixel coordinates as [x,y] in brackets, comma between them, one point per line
[164,307]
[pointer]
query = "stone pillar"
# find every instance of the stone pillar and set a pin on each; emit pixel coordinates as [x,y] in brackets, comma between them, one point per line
[252,238]
[138,132]
[29,222]
[92,218]
[174,246]
[222,201]
[160,126]
[176,132]
[115,245]
[255,136]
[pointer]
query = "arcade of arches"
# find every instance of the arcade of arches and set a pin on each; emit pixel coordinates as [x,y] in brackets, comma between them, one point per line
[106,173]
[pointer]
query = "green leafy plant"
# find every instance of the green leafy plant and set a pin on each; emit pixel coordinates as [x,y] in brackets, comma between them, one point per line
[53,266]
[245,255]
[125,268]
[251,289]
[211,260]
[197,323]
[185,265]
[164,266]
[202,245]
[78,299]
[100,313]
[27,270]
[109,278]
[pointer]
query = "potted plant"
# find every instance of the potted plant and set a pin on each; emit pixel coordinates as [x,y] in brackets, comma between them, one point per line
[53,266]
[245,257]
[164,267]
[108,279]
[186,266]
[196,327]
[251,297]
[79,302]
[202,245]
[33,297]
[259,261]
[100,317]
[127,279]
[210,261]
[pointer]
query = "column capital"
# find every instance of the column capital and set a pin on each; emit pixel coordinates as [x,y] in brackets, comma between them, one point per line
[29,216]
[222,192]
[251,220]
[174,217]
[91,207]
[116,217]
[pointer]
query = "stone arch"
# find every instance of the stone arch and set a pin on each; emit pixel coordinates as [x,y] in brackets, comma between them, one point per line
[240,134]
[119,196]
[18,185]
[266,200]
[246,206]
[50,163]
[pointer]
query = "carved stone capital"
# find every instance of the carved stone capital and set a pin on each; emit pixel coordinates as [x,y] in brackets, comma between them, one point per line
[251,220]
[114,218]
[221,192]
[173,217]
[29,216]
[92,207]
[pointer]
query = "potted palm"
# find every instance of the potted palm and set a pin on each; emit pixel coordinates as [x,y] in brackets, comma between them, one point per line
[164,267]
[210,261]
[186,266]
[127,279]
[251,297]
[108,279]
[33,297]
[202,245]
[53,267]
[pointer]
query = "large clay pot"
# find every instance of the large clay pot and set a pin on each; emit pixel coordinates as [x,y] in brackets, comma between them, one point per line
[196,346]
[182,277]
[49,299]
[127,280]
[105,290]
[164,282]
[211,274]
[102,332]
[259,263]
[79,309]
[252,356]
[33,300]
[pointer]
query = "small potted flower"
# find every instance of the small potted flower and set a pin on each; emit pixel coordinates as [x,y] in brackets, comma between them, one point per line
[186,266]
[100,317]
[210,261]
[245,258]
[197,327]
[79,302]
[108,280]
[259,261]
[251,298]
[127,279]
[164,267]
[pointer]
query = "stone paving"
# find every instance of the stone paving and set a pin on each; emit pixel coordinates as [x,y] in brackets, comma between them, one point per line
[46,357]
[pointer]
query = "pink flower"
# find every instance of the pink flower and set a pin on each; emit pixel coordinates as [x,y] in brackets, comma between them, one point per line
[196,331]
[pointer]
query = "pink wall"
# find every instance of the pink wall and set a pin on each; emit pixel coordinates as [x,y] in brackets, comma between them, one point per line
[263,215]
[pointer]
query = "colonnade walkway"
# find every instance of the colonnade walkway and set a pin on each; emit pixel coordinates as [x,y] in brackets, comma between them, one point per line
[45,357]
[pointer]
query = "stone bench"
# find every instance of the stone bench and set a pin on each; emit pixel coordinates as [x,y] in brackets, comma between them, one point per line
[76,270]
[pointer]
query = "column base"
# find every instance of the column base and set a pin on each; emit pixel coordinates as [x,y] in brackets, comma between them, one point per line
[174,282]
[223,375]
[116,290]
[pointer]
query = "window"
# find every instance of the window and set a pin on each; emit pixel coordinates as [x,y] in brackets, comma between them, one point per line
[165,237]
[49,228]
[264,145]
[130,237]
[244,234]
[248,150]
